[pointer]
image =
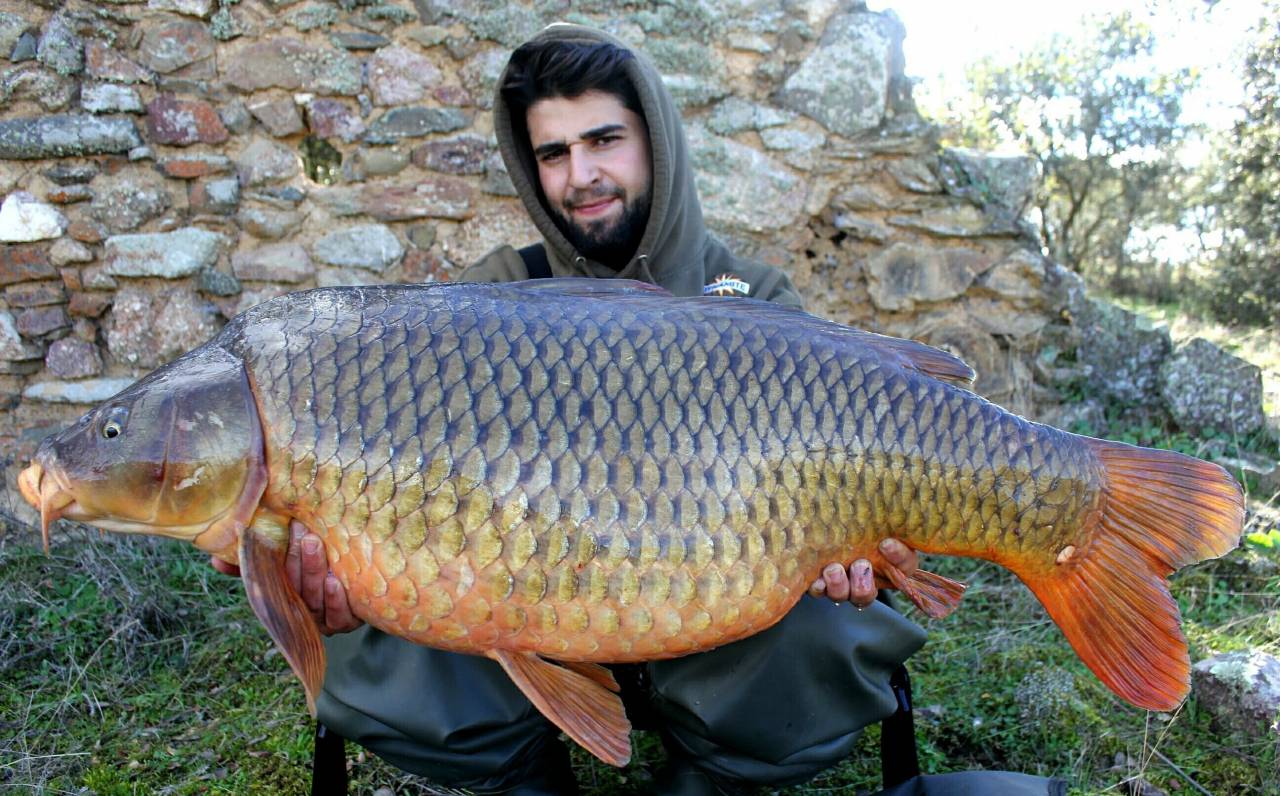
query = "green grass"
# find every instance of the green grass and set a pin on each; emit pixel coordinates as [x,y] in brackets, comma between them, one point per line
[128,666]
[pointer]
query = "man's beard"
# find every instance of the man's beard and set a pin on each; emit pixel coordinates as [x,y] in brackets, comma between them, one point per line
[608,241]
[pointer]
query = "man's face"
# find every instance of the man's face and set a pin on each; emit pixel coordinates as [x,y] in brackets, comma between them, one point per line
[593,163]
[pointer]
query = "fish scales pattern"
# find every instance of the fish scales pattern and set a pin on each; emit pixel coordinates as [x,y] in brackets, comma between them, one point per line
[611,483]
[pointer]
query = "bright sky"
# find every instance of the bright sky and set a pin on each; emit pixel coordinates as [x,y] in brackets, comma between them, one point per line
[944,36]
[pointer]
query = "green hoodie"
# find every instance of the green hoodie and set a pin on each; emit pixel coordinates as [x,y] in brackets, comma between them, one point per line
[676,250]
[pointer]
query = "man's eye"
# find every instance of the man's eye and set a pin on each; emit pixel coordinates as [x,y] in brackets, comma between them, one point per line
[552,157]
[607,139]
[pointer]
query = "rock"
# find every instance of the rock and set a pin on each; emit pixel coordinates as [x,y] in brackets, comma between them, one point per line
[290,64]
[734,115]
[70,194]
[372,247]
[741,188]
[329,118]
[1004,319]
[96,278]
[398,75]
[1121,355]
[88,305]
[25,48]
[110,98]
[278,114]
[24,219]
[252,298]
[12,347]
[169,255]
[12,27]
[105,62]
[65,135]
[505,223]
[414,122]
[345,277]
[195,8]
[265,161]
[129,200]
[215,196]
[961,221]
[904,274]
[1209,390]
[182,48]
[861,228]
[914,175]
[497,180]
[480,74]
[235,117]
[66,251]
[71,358]
[312,16]
[1003,182]
[267,223]
[1019,278]
[433,197]
[38,321]
[34,294]
[464,154]
[60,48]
[190,167]
[283,262]
[147,329]
[71,173]
[374,162]
[180,122]
[692,91]
[358,40]
[89,391]
[213,282]
[53,92]
[86,231]
[1242,691]
[844,83]
[24,263]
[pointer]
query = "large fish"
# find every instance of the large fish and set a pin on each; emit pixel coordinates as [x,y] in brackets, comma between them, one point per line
[561,473]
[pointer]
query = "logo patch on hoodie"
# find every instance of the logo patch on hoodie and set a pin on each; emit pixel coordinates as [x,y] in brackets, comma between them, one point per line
[727,285]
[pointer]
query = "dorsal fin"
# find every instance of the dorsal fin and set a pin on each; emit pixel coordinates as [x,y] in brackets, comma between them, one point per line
[905,353]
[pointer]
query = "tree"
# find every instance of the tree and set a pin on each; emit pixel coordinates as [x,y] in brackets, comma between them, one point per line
[1104,125]
[1246,284]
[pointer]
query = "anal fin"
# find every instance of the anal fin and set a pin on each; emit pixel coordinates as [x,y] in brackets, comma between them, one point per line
[932,593]
[279,608]
[579,704]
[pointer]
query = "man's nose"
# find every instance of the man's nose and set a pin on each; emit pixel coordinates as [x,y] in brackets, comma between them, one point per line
[583,170]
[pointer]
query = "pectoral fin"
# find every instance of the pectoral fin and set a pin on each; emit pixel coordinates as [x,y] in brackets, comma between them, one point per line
[580,704]
[279,608]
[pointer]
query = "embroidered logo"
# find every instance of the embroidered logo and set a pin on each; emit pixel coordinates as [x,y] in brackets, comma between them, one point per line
[727,285]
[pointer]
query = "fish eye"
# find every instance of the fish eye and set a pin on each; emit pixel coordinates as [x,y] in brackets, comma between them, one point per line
[113,426]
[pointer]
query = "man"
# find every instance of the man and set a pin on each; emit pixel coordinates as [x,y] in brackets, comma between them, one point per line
[596,150]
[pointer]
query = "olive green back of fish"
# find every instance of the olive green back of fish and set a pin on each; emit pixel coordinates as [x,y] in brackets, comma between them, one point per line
[611,482]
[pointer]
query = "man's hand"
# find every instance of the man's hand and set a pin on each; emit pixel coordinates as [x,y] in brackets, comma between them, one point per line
[859,584]
[309,575]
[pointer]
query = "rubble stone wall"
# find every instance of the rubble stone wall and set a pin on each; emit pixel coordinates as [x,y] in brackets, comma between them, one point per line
[166,164]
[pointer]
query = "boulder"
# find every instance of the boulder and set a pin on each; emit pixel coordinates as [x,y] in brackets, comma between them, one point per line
[1120,354]
[169,255]
[1242,692]
[147,328]
[398,75]
[741,188]
[906,274]
[373,247]
[89,391]
[65,135]
[24,219]
[1207,389]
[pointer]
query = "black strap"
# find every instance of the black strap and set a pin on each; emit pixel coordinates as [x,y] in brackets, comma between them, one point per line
[329,764]
[535,261]
[899,760]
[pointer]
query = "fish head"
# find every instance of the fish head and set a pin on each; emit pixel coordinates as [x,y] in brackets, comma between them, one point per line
[170,455]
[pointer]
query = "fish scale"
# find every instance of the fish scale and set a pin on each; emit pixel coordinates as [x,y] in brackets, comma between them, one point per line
[582,470]
[689,414]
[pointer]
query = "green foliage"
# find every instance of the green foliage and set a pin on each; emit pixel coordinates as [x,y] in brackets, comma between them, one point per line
[1104,125]
[1246,285]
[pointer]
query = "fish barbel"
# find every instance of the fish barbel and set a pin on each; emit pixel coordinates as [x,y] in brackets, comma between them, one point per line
[562,473]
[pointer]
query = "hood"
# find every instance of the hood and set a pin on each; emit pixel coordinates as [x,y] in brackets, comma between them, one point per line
[675,236]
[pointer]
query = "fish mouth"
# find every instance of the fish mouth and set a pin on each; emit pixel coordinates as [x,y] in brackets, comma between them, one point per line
[41,488]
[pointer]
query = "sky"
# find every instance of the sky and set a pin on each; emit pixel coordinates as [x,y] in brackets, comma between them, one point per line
[944,36]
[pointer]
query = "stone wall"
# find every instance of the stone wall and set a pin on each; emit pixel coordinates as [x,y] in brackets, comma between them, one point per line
[167,163]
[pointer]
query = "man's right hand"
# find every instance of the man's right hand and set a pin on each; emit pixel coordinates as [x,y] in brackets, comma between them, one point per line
[309,575]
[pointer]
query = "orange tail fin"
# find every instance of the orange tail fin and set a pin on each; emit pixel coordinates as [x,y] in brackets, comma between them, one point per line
[1160,511]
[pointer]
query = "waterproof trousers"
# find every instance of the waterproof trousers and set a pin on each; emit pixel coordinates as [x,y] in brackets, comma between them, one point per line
[772,709]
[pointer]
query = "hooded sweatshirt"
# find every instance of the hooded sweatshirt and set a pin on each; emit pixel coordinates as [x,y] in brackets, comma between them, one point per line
[675,251]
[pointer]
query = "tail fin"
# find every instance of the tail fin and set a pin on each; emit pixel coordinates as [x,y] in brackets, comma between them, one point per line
[1160,511]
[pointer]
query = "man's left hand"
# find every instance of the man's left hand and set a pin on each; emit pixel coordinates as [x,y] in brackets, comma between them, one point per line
[859,584]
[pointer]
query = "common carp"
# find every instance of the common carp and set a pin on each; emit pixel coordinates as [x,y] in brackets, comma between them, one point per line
[563,473]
